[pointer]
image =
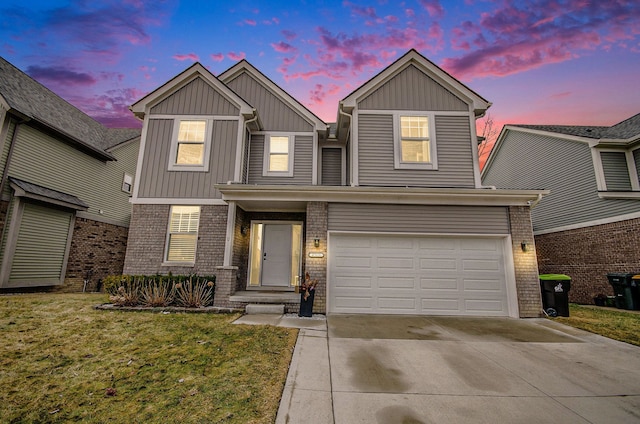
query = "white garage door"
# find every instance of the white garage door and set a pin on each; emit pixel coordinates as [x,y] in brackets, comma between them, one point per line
[417,275]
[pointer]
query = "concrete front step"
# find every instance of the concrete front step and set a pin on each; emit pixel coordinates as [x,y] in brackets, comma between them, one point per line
[269,297]
[254,308]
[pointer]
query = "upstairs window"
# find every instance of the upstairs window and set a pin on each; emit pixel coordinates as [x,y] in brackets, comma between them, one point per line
[278,156]
[617,174]
[127,183]
[414,142]
[182,237]
[190,145]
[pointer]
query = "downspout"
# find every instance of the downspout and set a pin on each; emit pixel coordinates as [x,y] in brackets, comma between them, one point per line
[535,202]
[343,113]
[246,127]
[5,174]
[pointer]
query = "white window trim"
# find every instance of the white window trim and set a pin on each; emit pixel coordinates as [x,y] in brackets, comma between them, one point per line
[167,262]
[267,155]
[173,166]
[603,192]
[397,146]
[127,179]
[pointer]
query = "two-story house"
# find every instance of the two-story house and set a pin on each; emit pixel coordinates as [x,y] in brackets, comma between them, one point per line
[385,208]
[65,188]
[590,223]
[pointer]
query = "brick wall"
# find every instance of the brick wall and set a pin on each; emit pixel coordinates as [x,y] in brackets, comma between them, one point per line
[147,239]
[588,254]
[525,263]
[317,216]
[97,250]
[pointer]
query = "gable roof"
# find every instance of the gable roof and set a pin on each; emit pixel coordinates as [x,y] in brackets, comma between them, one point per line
[196,70]
[245,66]
[32,101]
[412,57]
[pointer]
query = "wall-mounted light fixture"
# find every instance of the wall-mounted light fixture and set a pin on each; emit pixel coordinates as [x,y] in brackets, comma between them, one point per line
[524,246]
[244,229]
[316,242]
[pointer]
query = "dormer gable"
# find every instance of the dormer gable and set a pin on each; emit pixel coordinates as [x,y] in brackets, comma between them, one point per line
[412,68]
[175,97]
[279,110]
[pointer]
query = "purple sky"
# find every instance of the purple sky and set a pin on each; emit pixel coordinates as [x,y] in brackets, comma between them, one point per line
[539,62]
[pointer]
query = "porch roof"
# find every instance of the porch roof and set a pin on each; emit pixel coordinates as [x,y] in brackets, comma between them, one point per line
[295,198]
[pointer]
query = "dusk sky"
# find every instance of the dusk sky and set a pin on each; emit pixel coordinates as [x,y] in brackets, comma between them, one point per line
[571,62]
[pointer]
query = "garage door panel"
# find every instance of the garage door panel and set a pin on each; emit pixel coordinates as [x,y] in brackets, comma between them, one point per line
[417,275]
[396,282]
[397,304]
[439,283]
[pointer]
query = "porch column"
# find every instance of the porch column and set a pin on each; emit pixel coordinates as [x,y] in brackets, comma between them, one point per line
[316,228]
[226,277]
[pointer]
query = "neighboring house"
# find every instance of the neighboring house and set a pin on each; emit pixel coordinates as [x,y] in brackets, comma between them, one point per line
[66,182]
[385,208]
[590,223]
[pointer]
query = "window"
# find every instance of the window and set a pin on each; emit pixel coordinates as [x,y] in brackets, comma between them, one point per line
[414,146]
[182,236]
[127,183]
[617,174]
[278,156]
[190,145]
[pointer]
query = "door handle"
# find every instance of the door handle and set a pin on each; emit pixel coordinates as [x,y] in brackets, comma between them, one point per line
[264,257]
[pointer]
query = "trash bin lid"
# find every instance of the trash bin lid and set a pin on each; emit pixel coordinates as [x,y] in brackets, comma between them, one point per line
[554,277]
[636,277]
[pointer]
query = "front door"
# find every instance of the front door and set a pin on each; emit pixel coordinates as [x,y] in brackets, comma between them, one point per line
[276,255]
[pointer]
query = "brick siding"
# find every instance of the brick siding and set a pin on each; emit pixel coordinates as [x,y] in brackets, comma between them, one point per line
[588,254]
[525,263]
[148,235]
[97,250]
[317,226]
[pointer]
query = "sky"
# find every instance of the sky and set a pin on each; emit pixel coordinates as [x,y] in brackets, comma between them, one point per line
[571,62]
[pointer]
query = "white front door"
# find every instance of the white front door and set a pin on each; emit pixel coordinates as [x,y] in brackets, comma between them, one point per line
[276,255]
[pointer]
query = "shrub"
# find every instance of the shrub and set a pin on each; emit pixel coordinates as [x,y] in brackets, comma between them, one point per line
[189,291]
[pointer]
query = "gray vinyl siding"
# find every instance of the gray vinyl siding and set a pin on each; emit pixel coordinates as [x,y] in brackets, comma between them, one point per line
[6,145]
[435,219]
[302,162]
[196,98]
[531,161]
[41,246]
[376,154]
[636,159]
[616,171]
[41,159]
[331,167]
[275,114]
[156,181]
[412,89]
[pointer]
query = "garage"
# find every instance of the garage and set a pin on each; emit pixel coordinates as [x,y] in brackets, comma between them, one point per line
[409,274]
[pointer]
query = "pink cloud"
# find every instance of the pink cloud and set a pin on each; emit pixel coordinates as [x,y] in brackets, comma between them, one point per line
[433,7]
[218,57]
[60,76]
[367,12]
[251,22]
[561,95]
[189,56]
[236,56]
[289,35]
[512,38]
[283,47]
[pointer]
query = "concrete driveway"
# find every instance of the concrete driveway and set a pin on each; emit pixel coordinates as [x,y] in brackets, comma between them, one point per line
[411,370]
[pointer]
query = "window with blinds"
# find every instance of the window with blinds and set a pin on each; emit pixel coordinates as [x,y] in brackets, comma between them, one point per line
[182,237]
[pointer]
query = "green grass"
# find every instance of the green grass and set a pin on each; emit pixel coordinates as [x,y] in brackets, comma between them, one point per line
[618,325]
[61,360]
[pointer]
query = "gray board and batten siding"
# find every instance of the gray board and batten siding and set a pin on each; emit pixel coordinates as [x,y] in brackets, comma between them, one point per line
[196,98]
[413,219]
[412,89]
[275,114]
[376,154]
[534,161]
[302,162]
[156,181]
[41,159]
[331,166]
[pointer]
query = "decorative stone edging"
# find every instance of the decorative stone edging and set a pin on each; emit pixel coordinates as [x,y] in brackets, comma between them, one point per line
[168,309]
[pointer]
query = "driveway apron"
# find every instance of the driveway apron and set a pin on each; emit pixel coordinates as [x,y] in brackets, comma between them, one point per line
[408,369]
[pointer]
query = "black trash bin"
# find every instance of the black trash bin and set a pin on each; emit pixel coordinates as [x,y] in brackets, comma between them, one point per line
[635,291]
[555,294]
[621,284]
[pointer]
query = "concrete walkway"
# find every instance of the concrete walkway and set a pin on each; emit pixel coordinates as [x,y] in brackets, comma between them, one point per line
[395,369]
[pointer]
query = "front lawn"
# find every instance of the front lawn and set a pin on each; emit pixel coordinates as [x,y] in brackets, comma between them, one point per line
[61,360]
[615,324]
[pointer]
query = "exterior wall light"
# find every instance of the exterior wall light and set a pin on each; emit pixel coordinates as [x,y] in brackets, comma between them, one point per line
[524,246]
[316,242]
